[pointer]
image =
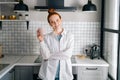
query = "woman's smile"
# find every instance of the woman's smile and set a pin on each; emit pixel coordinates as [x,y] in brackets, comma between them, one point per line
[55,21]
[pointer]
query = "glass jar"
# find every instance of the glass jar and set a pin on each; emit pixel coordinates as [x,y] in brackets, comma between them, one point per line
[26,16]
[20,16]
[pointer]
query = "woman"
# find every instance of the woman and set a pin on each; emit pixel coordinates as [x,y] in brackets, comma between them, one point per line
[56,48]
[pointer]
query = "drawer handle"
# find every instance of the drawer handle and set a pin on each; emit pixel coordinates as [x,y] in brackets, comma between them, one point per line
[11,71]
[91,68]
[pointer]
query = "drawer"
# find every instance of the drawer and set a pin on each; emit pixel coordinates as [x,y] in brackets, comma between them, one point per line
[92,73]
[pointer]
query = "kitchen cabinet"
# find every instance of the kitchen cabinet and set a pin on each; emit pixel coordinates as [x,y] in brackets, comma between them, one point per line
[92,73]
[25,68]
[9,75]
[23,73]
[36,71]
[91,69]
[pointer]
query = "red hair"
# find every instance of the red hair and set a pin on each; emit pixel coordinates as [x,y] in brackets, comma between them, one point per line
[51,12]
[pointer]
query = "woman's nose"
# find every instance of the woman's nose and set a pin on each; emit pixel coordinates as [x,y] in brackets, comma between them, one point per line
[56,23]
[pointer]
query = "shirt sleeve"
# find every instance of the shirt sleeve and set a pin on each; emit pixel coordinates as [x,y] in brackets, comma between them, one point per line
[67,53]
[44,50]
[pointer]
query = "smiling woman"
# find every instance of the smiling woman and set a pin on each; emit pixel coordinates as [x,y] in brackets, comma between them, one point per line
[56,48]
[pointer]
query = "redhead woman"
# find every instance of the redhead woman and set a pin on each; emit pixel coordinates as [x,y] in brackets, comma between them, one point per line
[56,48]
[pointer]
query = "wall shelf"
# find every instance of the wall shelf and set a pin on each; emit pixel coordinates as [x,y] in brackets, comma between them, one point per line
[9,2]
[8,20]
[14,21]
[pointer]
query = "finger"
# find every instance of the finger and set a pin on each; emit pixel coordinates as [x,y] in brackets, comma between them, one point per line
[39,35]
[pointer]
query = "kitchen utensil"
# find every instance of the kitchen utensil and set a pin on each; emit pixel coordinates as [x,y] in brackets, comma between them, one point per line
[95,52]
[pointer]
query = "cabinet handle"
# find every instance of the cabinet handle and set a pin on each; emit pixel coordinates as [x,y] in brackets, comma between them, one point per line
[11,71]
[91,68]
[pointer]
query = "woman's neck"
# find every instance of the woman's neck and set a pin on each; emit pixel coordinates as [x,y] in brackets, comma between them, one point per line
[58,31]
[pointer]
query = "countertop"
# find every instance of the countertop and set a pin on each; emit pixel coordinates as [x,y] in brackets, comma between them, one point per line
[30,61]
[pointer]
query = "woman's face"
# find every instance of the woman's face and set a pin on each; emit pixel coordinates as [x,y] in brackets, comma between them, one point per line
[55,21]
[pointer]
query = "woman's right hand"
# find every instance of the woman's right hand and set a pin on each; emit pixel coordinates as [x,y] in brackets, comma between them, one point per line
[40,35]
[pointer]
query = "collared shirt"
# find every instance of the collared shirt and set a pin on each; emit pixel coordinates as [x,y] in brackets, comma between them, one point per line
[50,46]
[55,51]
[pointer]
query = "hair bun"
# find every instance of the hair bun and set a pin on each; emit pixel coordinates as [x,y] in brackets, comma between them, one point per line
[51,10]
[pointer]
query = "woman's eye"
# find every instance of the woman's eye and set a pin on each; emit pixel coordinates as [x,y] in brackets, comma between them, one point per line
[57,20]
[51,22]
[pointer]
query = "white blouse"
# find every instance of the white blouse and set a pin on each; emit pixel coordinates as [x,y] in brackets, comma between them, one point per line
[54,51]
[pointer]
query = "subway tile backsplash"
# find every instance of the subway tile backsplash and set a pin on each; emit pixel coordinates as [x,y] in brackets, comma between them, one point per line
[16,39]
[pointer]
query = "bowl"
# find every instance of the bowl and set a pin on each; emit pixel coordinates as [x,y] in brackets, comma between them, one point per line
[2,17]
[12,17]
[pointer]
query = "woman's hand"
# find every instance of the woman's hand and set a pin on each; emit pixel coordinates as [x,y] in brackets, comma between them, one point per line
[40,35]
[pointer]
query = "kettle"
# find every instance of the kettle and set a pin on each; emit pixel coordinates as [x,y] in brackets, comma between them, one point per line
[95,52]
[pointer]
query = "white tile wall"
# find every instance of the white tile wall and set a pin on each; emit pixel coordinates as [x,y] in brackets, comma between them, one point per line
[16,39]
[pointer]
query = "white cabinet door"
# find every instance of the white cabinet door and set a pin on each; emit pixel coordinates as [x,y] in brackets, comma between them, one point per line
[92,73]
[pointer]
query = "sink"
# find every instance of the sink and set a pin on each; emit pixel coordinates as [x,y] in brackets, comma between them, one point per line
[2,66]
[38,59]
